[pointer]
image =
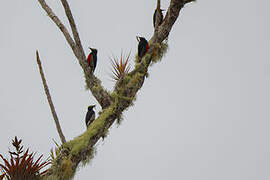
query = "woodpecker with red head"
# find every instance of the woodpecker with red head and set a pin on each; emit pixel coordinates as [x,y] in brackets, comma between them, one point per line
[142,46]
[158,15]
[92,59]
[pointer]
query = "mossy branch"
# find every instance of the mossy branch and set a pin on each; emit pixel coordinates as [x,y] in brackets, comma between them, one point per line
[81,148]
[92,82]
[172,14]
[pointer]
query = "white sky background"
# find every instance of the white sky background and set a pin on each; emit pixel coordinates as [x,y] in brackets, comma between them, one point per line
[203,114]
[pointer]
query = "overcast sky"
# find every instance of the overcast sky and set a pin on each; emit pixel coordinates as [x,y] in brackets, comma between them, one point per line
[203,113]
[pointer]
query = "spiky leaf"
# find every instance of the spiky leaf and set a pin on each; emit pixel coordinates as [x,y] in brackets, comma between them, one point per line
[22,164]
[120,67]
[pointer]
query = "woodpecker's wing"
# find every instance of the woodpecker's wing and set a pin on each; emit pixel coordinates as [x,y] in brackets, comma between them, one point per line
[95,60]
[154,17]
[141,49]
[90,117]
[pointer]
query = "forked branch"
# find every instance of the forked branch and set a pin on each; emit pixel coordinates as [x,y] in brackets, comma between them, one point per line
[81,148]
[61,26]
[172,14]
[73,28]
[92,82]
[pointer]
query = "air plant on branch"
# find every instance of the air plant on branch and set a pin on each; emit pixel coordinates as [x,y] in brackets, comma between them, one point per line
[22,165]
[120,67]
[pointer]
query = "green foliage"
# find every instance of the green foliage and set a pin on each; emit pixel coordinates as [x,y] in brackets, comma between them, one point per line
[54,153]
[56,150]
[61,170]
[82,141]
[123,96]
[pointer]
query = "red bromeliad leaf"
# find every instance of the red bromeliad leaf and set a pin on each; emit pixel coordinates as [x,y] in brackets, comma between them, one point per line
[2,176]
[120,67]
[3,167]
[7,165]
[22,167]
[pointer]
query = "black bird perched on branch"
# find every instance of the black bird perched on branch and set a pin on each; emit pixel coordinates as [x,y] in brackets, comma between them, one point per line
[142,46]
[92,59]
[158,16]
[90,115]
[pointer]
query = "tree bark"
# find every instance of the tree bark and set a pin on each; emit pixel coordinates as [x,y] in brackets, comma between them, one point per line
[49,98]
[81,148]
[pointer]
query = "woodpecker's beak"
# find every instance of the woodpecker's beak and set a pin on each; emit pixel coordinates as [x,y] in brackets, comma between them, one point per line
[138,38]
[90,48]
[162,9]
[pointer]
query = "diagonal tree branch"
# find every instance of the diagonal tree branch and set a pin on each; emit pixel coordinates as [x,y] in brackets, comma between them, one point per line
[73,27]
[92,82]
[169,20]
[61,26]
[49,98]
[81,148]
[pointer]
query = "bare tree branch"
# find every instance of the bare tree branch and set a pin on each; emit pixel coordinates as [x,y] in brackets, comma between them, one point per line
[49,98]
[61,26]
[81,148]
[73,27]
[92,82]
[169,20]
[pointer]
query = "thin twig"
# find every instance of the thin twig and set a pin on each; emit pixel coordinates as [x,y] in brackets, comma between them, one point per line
[61,26]
[92,82]
[49,98]
[124,97]
[127,91]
